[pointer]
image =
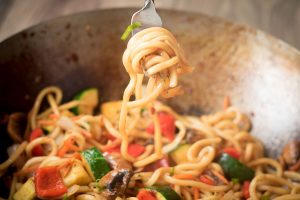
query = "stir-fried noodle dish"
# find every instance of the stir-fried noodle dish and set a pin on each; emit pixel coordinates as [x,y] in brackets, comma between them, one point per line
[139,148]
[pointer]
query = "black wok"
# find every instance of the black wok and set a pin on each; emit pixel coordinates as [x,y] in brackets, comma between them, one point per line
[260,73]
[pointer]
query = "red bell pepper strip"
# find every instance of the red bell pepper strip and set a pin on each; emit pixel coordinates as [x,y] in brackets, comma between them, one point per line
[245,189]
[134,150]
[232,152]
[49,183]
[146,195]
[38,149]
[167,126]
[206,180]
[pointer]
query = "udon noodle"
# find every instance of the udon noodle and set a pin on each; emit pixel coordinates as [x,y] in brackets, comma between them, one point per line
[154,57]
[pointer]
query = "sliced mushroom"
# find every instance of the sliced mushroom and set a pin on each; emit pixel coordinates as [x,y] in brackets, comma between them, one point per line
[117,162]
[116,181]
[16,126]
[291,152]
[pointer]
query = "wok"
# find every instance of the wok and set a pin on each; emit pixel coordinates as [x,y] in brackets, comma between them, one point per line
[259,73]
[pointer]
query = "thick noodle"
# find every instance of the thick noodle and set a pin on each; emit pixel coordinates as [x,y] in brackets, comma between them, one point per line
[153,52]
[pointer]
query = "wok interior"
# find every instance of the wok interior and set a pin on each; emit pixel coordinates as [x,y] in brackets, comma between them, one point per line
[260,74]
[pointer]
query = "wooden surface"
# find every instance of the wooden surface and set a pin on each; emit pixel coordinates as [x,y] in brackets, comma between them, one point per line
[280,18]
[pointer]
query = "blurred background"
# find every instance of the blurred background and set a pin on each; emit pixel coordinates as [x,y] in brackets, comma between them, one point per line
[280,18]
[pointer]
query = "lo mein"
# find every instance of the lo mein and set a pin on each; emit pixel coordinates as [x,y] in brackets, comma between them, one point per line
[139,148]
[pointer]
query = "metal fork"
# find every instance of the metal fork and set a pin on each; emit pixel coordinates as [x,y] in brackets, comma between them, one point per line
[147,16]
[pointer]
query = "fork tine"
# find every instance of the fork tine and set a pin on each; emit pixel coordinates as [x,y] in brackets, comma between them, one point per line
[147,16]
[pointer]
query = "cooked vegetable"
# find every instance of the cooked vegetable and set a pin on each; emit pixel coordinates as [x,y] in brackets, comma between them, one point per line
[65,197]
[111,110]
[129,29]
[66,123]
[38,149]
[160,192]
[179,155]
[117,162]
[95,163]
[232,152]
[77,175]
[67,113]
[115,182]
[69,145]
[26,192]
[234,168]
[185,176]
[164,162]
[49,183]
[235,180]
[146,195]
[265,197]
[167,125]
[48,129]
[88,101]
[245,189]
[134,149]
[207,180]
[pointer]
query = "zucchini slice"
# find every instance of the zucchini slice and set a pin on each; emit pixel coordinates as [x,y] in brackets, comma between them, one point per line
[48,129]
[164,193]
[26,192]
[95,163]
[77,176]
[234,169]
[89,100]
[179,155]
